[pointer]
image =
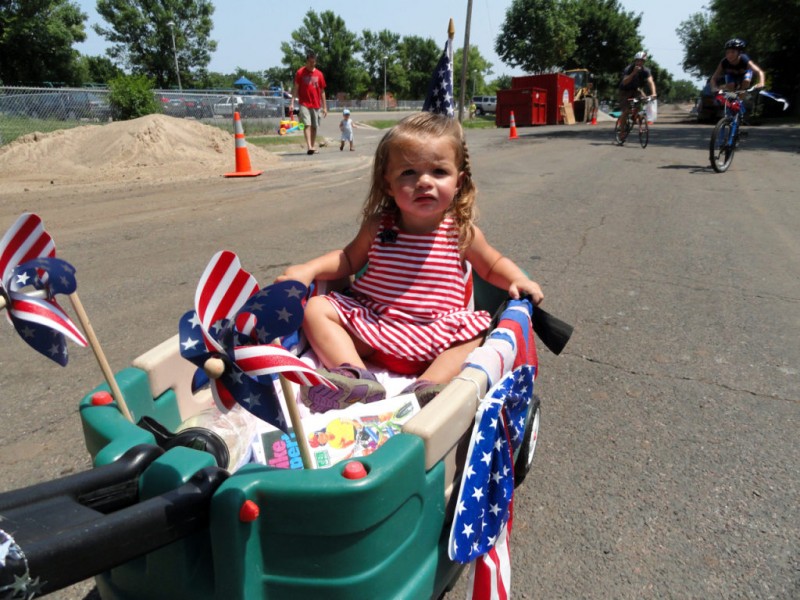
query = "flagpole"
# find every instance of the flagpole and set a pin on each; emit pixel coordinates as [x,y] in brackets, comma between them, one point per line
[464,61]
[99,355]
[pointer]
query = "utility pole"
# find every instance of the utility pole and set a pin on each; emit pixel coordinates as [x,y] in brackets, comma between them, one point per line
[464,60]
[171,25]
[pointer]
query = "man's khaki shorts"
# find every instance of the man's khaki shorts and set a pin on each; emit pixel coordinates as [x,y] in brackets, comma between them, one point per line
[310,117]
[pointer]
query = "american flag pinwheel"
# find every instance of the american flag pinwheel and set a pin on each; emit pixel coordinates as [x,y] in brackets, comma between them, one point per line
[28,259]
[228,335]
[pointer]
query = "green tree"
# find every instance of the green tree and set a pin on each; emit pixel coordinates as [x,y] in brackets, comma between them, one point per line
[131,96]
[768,26]
[607,39]
[538,35]
[378,52]
[414,66]
[682,91]
[99,69]
[141,37]
[335,46]
[36,38]
[478,68]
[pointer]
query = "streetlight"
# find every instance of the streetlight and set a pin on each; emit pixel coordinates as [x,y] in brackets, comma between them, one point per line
[385,106]
[171,26]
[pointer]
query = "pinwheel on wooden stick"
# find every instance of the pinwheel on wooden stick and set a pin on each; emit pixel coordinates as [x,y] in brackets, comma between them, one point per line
[30,278]
[28,258]
[228,335]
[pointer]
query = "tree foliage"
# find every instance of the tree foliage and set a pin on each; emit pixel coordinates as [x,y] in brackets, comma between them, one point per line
[335,46]
[768,26]
[141,37]
[36,38]
[607,39]
[131,96]
[538,35]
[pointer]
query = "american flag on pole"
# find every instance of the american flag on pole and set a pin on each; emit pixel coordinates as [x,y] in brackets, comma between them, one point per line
[482,524]
[440,92]
[27,259]
[234,321]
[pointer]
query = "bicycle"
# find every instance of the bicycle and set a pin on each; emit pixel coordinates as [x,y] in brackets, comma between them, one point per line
[637,115]
[727,131]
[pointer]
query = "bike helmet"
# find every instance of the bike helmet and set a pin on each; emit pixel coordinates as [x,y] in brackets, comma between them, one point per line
[641,55]
[735,43]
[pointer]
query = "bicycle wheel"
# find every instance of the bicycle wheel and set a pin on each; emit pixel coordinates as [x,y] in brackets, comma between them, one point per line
[619,132]
[644,132]
[722,147]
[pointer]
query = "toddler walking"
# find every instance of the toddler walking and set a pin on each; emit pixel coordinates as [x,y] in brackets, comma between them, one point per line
[346,127]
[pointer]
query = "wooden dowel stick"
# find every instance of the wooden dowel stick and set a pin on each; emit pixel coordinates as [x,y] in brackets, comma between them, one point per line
[99,355]
[297,422]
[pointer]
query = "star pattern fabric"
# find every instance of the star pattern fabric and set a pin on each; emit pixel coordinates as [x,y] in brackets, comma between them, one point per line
[440,91]
[487,485]
[234,321]
[31,277]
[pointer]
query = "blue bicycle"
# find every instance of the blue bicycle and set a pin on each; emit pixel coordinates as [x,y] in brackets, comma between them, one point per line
[728,130]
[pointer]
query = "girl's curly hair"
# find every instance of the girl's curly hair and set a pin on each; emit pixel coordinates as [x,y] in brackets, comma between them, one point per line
[406,134]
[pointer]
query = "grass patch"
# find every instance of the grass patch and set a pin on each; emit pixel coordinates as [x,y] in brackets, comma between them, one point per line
[275,140]
[12,128]
[476,123]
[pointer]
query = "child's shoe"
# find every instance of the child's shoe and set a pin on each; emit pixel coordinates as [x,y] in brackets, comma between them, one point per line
[424,390]
[353,384]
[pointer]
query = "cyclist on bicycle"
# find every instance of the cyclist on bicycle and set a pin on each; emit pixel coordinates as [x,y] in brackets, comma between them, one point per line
[634,78]
[736,68]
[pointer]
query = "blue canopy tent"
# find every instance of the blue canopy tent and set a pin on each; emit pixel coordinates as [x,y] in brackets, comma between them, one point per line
[243,83]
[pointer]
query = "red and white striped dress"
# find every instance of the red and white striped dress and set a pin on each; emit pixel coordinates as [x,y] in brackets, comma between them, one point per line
[411,302]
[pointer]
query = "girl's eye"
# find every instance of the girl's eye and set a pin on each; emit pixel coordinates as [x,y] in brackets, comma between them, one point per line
[407,173]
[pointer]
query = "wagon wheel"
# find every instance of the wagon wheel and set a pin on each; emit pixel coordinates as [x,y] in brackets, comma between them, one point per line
[524,458]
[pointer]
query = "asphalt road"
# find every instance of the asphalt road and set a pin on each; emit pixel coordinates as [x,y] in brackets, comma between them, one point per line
[667,465]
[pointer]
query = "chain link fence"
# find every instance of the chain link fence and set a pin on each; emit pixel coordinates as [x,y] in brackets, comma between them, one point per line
[24,110]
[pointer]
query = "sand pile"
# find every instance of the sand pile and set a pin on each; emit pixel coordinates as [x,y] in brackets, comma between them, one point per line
[155,148]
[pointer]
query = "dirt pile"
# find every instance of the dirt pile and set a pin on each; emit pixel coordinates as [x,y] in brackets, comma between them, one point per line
[155,148]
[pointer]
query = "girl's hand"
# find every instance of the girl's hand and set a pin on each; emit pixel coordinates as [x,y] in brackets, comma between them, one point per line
[301,273]
[520,287]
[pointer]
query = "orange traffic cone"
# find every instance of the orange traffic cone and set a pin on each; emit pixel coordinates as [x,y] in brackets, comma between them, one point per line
[243,168]
[594,116]
[512,132]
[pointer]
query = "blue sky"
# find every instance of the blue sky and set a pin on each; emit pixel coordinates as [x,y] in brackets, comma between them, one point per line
[249,32]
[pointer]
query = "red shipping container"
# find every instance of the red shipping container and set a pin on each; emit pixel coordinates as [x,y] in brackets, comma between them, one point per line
[529,106]
[560,90]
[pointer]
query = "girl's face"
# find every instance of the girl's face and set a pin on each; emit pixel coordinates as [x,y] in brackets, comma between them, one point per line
[423,179]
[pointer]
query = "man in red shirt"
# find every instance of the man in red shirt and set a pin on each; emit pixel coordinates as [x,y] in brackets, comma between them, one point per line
[309,89]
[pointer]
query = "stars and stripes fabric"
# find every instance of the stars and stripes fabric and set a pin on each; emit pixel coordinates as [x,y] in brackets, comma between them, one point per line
[482,522]
[234,321]
[27,260]
[440,91]
[510,344]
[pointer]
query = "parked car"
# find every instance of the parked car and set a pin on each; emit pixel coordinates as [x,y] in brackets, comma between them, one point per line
[485,104]
[85,105]
[173,105]
[65,106]
[227,105]
[255,106]
[194,106]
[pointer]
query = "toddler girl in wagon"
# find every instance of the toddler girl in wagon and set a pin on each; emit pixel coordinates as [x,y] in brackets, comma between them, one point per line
[407,311]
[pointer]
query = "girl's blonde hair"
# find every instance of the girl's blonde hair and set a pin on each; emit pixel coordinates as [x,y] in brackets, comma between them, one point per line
[407,133]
